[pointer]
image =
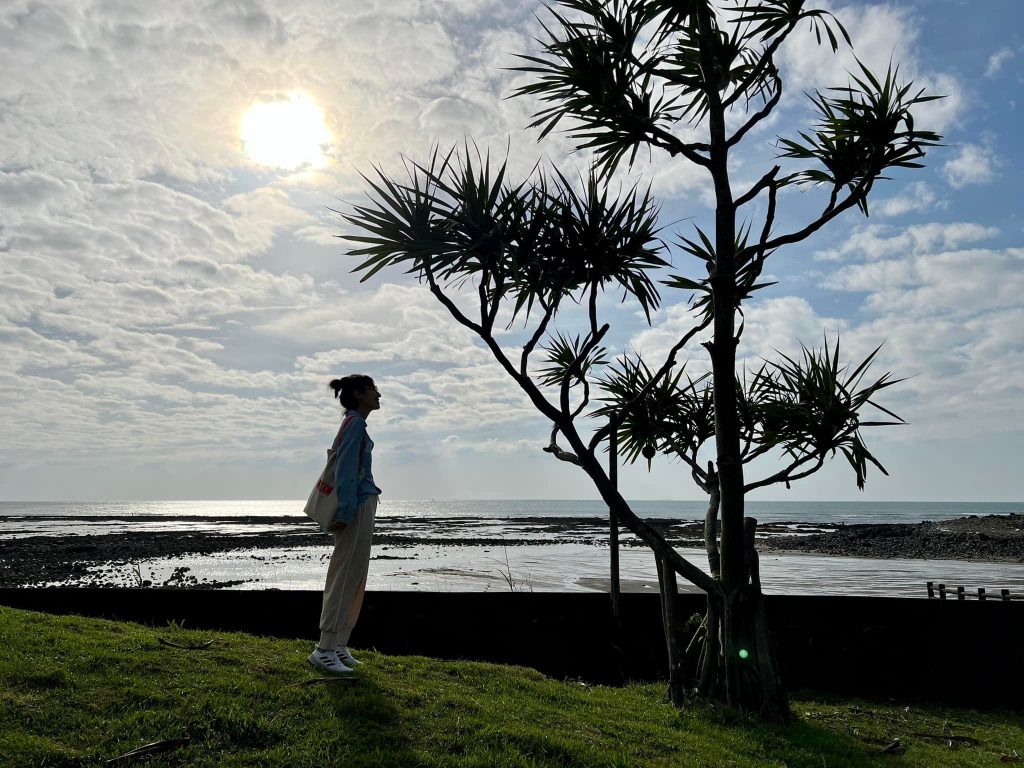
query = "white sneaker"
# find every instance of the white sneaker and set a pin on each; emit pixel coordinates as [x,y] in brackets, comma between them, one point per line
[328,661]
[347,658]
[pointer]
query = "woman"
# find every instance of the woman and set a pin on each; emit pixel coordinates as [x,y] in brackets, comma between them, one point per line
[352,528]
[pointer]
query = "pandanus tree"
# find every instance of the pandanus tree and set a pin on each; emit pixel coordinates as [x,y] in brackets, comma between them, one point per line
[617,77]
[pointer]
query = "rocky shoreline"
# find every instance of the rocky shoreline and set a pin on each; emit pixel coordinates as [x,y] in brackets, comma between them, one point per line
[101,559]
[991,538]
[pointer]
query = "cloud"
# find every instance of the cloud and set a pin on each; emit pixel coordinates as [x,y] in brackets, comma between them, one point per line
[951,283]
[919,197]
[166,300]
[951,319]
[883,35]
[172,83]
[974,164]
[267,208]
[143,312]
[876,241]
[770,326]
[997,60]
[453,118]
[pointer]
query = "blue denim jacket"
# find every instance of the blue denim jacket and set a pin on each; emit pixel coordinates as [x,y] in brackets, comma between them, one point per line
[354,478]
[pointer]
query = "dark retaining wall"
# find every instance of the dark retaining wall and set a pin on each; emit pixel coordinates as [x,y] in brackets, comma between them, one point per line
[956,652]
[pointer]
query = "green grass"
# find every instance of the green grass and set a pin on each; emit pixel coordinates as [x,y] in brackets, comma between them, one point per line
[77,691]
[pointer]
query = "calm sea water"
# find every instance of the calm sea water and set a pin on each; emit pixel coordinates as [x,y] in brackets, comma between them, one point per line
[797,511]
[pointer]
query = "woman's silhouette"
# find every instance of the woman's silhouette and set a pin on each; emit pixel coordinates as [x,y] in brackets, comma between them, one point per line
[352,528]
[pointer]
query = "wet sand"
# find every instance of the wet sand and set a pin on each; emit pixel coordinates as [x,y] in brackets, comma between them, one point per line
[88,559]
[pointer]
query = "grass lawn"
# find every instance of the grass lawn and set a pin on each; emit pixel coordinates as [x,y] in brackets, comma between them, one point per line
[78,692]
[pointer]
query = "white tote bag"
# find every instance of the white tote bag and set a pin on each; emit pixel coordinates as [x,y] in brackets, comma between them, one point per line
[322,504]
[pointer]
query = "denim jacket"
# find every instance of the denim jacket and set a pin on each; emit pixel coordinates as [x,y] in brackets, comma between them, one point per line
[353,476]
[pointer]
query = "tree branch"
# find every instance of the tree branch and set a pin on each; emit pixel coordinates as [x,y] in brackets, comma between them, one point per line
[676,146]
[766,230]
[669,362]
[529,346]
[622,511]
[586,399]
[758,116]
[576,368]
[653,539]
[785,476]
[449,304]
[766,59]
[753,192]
[795,237]
[495,301]
[699,476]
[484,304]
[759,451]
[560,454]
[524,381]
[593,308]
[711,525]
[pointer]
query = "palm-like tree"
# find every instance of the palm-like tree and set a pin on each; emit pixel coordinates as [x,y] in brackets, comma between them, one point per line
[621,75]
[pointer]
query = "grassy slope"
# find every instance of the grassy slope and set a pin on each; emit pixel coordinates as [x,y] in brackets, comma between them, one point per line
[77,691]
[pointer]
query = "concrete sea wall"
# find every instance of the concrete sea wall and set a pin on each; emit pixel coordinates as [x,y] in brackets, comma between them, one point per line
[957,652]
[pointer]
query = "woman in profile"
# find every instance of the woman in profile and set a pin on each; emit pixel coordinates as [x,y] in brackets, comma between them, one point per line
[352,528]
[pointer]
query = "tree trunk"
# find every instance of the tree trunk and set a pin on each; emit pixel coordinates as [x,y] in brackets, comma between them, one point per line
[750,680]
[711,526]
[669,588]
[735,619]
[737,664]
[614,587]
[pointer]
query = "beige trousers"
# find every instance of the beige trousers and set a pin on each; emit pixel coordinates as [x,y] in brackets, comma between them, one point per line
[346,577]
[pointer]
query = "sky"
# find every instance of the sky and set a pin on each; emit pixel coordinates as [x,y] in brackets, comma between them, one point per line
[174,297]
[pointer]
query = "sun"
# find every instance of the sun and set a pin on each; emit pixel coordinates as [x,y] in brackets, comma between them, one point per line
[288,134]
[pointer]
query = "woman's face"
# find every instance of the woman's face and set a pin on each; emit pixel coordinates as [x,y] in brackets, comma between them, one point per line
[369,396]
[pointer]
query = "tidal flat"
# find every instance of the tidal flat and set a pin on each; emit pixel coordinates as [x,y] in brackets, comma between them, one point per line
[540,553]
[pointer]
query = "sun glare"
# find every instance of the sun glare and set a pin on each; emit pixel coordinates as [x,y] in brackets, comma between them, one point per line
[285,134]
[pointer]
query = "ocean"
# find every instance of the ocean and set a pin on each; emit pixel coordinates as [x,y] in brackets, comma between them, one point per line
[510,554]
[798,511]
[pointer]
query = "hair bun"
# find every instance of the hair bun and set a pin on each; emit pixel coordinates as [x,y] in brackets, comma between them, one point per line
[346,387]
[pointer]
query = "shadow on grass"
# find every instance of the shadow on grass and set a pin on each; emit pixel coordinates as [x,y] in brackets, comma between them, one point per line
[801,744]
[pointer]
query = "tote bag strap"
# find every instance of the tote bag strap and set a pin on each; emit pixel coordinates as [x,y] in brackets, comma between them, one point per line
[341,431]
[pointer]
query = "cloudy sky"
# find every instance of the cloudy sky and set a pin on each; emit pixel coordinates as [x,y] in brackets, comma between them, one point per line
[173,299]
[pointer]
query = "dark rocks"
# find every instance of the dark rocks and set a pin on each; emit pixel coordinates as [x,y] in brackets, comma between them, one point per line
[992,538]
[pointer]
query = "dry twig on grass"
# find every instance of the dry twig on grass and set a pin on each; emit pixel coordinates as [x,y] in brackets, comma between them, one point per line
[199,647]
[945,737]
[149,749]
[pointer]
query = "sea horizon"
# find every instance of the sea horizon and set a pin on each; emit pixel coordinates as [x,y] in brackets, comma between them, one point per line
[510,499]
[847,512]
